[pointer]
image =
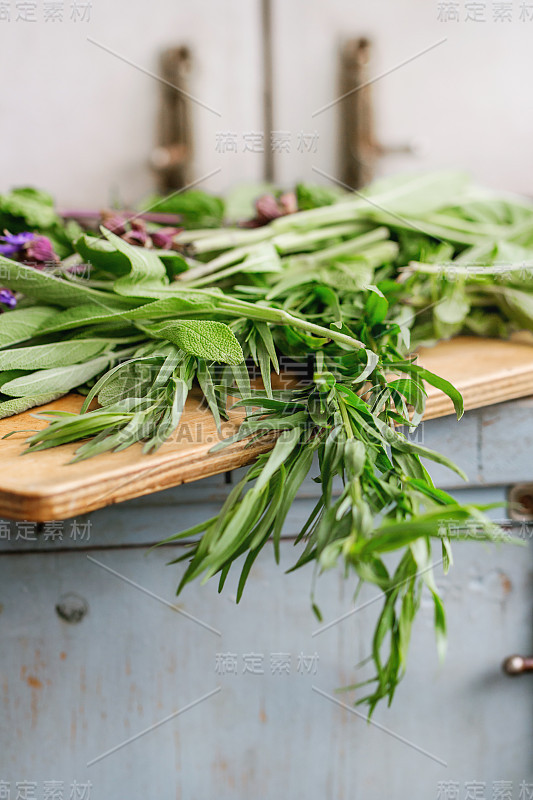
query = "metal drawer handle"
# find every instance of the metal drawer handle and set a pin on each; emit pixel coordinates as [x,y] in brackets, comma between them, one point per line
[517,665]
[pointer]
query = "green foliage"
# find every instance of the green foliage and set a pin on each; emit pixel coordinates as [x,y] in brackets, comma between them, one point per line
[24,323]
[58,380]
[346,287]
[206,339]
[55,354]
[196,209]
[28,209]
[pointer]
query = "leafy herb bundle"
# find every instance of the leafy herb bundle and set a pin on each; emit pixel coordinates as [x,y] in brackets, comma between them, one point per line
[346,286]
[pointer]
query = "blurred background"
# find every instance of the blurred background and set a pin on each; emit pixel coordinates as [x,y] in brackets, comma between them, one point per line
[84,102]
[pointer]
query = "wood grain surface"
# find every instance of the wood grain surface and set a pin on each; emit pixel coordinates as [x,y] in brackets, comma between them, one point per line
[43,486]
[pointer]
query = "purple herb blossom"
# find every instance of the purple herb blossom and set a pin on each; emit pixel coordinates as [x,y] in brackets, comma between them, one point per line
[114,222]
[137,235]
[29,248]
[134,231]
[14,242]
[39,252]
[268,208]
[288,203]
[7,298]
[164,237]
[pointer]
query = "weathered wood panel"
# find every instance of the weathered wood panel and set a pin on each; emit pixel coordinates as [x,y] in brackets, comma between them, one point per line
[72,692]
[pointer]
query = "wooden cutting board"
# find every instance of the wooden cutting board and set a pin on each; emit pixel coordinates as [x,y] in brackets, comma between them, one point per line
[43,486]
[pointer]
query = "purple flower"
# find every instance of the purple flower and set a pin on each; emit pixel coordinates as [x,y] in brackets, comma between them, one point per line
[28,248]
[288,203]
[137,235]
[39,252]
[14,242]
[164,237]
[7,298]
[114,222]
[267,208]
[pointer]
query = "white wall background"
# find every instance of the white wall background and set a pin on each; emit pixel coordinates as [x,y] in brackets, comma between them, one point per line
[81,122]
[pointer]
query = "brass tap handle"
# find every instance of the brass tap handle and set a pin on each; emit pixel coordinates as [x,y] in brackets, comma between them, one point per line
[360,145]
[518,665]
[172,158]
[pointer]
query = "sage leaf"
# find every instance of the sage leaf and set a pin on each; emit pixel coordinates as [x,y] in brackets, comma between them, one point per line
[213,341]
[50,289]
[189,302]
[91,314]
[19,404]
[58,380]
[146,272]
[21,324]
[56,354]
[103,254]
[78,316]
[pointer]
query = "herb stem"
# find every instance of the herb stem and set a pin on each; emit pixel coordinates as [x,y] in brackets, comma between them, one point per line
[345,418]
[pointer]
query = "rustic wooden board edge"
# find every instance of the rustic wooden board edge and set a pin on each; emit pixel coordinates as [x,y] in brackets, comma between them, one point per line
[52,505]
[61,496]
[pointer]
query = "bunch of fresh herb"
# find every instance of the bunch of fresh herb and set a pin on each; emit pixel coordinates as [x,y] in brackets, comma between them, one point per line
[345,286]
